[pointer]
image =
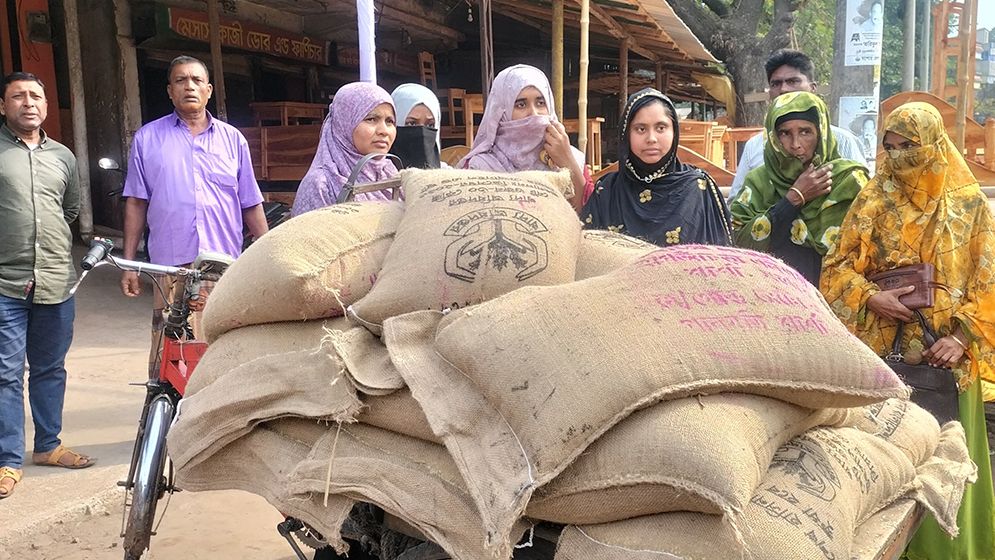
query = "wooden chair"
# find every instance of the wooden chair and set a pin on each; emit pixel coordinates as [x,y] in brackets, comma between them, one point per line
[426,67]
[450,99]
[697,136]
[593,155]
[473,104]
[716,151]
[453,154]
[452,103]
[732,137]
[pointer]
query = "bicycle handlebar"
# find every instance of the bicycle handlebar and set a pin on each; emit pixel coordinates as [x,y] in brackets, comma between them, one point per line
[99,248]
[99,254]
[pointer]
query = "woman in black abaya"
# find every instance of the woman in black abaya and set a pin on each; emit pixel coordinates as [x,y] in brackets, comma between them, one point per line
[653,196]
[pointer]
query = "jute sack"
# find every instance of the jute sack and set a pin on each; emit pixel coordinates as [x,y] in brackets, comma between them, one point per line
[310,267]
[603,251]
[245,344]
[943,464]
[469,236]
[500,482]
[819,488]
[553,368]
[303,383]
[366,360]
[704,454]
[902,423]
[260,462]
[412,479]
[397,412]
[941,478]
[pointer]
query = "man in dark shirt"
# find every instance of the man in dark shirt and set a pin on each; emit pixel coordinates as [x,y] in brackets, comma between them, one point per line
[39,198]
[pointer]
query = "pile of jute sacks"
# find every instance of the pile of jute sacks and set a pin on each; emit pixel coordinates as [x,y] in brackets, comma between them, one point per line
[473,363]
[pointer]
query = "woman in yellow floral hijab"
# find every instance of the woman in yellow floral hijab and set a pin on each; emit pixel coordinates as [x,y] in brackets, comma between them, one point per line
[793,204]
[925,206]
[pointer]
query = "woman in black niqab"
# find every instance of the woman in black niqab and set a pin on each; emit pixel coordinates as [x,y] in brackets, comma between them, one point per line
[660,200]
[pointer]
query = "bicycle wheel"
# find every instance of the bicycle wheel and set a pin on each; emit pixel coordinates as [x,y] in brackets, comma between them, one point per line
[148,483]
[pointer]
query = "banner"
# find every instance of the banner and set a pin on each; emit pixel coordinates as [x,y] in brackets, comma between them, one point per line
[864,31]
[859,115]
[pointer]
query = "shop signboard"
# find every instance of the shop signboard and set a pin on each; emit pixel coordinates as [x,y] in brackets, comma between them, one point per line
[249,36]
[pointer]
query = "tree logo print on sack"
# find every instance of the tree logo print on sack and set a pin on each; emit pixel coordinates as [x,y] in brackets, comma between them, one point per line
[803,458]
[500,237]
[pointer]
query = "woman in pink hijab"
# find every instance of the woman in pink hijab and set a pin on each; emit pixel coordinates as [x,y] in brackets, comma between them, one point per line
[520,131]
[360,121]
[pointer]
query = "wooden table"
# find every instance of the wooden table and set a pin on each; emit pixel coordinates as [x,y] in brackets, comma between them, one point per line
[288,112]
[885,534]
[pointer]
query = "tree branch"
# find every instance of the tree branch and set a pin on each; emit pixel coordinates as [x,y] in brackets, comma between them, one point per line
[748,13]
[720,8]
[702,22]
[784,20]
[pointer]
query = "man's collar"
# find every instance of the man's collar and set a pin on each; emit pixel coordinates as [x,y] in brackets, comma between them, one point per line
[15,138]
[178,120]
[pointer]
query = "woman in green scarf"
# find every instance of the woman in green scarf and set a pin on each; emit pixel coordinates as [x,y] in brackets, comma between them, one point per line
[792,206]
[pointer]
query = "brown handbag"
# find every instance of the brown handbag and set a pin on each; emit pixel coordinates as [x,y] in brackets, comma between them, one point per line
[922,276]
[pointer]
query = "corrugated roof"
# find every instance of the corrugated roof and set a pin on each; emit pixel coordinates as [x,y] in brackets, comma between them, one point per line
[653,29]
[675,27]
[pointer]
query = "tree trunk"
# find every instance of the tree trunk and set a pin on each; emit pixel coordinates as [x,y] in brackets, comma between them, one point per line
[730,34]
[746,68]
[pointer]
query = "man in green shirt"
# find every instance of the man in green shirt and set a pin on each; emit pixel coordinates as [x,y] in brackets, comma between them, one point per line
[39,198]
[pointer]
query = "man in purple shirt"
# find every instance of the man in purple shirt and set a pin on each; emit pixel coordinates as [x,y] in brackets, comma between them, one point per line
[190,178]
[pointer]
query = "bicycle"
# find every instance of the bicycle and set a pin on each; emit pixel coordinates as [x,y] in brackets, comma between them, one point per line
[147,481]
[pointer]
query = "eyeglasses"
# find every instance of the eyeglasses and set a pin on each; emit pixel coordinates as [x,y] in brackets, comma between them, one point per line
[794,82]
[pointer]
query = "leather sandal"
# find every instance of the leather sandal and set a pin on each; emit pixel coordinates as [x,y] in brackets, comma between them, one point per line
[55,458]
[8,474]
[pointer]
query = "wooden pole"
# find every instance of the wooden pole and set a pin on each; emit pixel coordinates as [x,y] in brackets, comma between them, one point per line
[78,107]
[965,74]
[938,66]
[486,48]
[990,143]
[558,57]
[925,43]
[623,74]
[659,77]
[585,23]
[214,26]
[909,49]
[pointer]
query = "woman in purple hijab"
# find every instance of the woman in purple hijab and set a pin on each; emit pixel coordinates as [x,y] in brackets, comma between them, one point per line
[360,121]
[520,131]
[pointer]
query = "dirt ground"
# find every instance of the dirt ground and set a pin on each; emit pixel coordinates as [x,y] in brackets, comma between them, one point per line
[210,525]
[59,513]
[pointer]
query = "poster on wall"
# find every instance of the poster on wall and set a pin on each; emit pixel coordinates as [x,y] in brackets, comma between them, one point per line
[859,115]
[864,30]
